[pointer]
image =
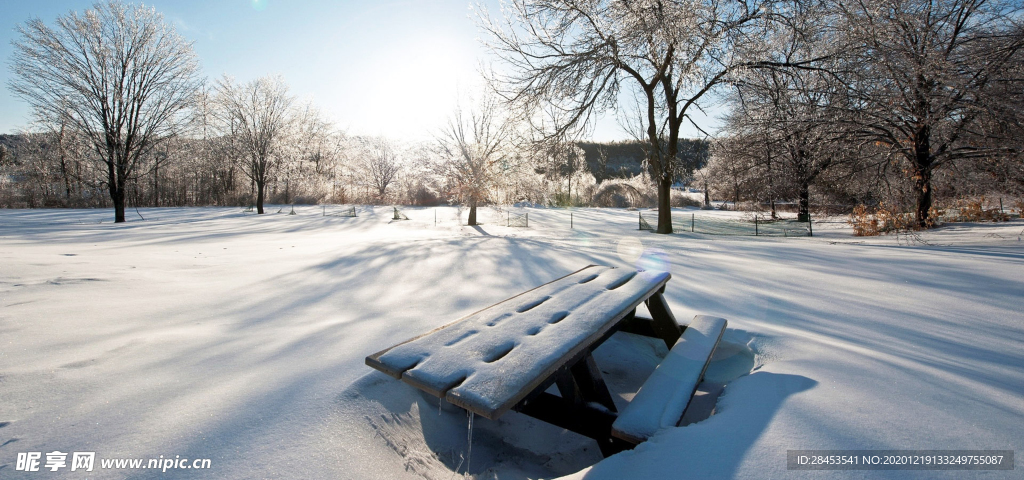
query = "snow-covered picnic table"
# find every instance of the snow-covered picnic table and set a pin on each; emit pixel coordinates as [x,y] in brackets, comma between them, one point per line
[505,356]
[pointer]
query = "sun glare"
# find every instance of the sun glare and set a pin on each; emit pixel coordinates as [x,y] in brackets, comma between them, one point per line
[414,90]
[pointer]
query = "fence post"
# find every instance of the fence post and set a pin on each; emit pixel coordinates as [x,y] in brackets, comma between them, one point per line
[325,210]
[570,220]
[527,219]
[639,221]
[755,225]
[1000,204]
[691,222]
[810,226]
[508,219]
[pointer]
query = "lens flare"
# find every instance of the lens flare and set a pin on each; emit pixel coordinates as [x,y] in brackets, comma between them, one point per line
[653,259]
[630,249]
[259,5]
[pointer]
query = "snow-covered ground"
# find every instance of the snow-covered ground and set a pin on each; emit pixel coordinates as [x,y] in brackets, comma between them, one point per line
[213,333]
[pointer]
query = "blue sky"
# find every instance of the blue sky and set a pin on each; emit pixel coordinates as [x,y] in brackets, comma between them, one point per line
[375,67]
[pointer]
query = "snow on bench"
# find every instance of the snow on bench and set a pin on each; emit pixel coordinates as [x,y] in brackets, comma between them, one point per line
[490,360]
[663,398]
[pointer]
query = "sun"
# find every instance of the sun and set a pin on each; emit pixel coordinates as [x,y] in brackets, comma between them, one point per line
[416,88]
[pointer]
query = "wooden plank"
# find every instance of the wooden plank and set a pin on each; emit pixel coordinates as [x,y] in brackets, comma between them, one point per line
[664,325]
[582,419]
[665,395]
[568,388]
[374,359]
[638,326]
[543,386]
[590,383]
[594,320]
[489,361]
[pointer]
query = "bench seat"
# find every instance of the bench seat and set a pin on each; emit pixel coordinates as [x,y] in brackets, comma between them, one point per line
[663,398]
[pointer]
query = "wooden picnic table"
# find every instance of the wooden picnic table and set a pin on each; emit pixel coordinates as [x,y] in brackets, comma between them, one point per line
[505,356]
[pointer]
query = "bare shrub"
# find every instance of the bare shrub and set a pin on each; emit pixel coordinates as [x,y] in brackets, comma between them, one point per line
[621,193]
[884,219]
[679,200]
[973,210]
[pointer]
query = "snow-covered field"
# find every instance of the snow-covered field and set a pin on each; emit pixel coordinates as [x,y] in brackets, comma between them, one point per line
[213,333]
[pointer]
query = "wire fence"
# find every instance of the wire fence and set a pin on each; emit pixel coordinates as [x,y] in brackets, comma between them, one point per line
[341,211]
[557,219]
[756,226]
[644,224]
[520,220]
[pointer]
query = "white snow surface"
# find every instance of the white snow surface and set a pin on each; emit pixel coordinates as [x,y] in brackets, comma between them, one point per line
[212,333]
[663,398]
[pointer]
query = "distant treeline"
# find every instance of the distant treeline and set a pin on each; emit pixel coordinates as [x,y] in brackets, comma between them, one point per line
[45,169]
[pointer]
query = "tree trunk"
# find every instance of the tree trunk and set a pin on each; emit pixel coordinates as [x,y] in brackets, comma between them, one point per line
[472,213]
[117,196]
[259,197]
[922,163]
[156,184]
[115,182]
[570,189]
[67,179]
[923,189]
[804,213]
[771,179]
[665,205]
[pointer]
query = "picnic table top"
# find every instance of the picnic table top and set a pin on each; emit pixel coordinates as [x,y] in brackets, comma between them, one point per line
[488,361]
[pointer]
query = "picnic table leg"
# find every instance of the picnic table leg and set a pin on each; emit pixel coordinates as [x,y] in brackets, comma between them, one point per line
[584,383]
[665,325]
[590,382]
[582,419]
[582,389]
[637,325]
[568,388]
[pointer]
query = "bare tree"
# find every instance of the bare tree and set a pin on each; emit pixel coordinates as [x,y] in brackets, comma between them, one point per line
[257,116]
[561,160]
[313,150]
[117,74]
[379,165]
[317,142]
[474,151]
[578,56]
[922,71]
[786,121]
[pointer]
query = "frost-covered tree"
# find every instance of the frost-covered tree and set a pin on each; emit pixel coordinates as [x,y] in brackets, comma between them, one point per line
[473,151]
[563,162]
[117,74]
[377,165]
[922,71]
[786,121]
[257,116]
[314,149]
[575,57]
